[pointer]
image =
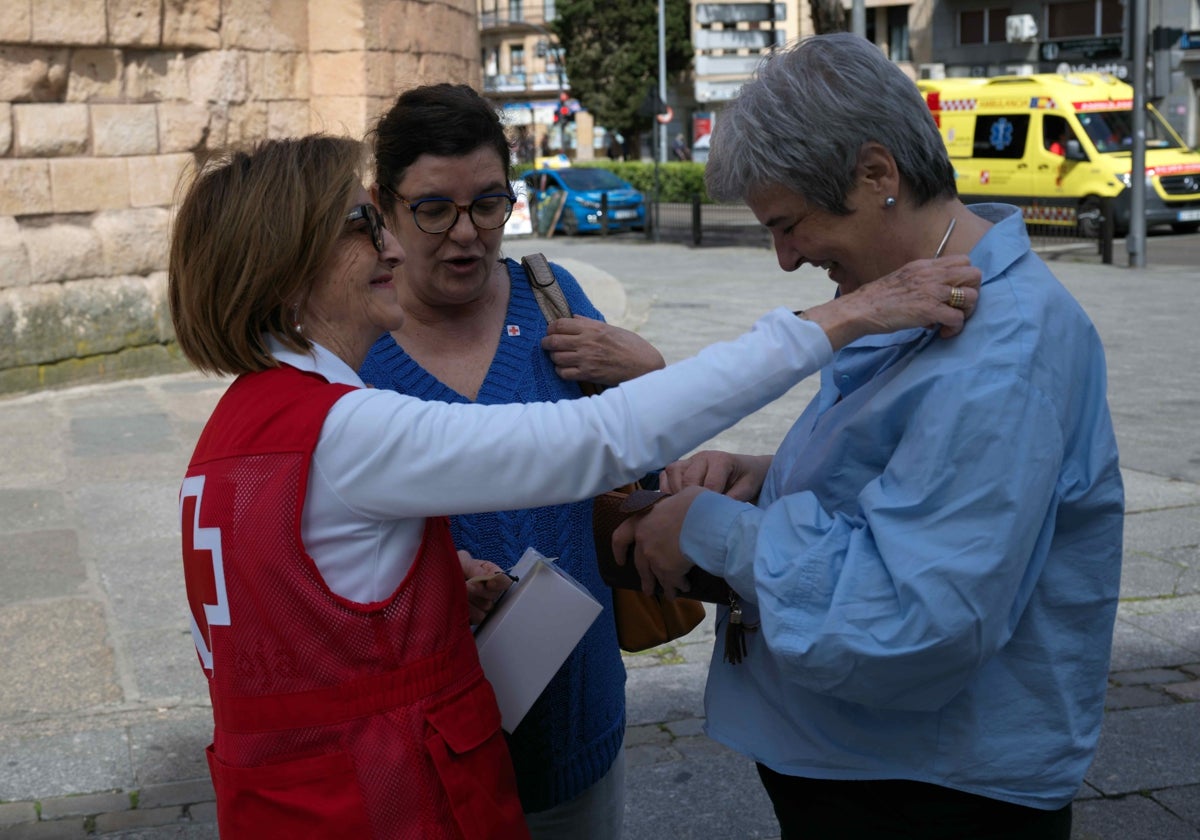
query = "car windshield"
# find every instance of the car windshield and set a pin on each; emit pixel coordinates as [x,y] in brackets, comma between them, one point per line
[1112,131]
[583,180]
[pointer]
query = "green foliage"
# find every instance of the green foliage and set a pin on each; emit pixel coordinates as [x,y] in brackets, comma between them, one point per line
[611,49]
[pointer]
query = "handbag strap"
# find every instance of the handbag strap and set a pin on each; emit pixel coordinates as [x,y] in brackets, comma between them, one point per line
[546,291]
[550,299]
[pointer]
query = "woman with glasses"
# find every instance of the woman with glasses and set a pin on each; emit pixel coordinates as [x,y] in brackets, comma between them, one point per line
[326,597]
[442,178]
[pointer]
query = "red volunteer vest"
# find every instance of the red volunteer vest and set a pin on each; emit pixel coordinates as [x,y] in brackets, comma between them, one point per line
[332,719]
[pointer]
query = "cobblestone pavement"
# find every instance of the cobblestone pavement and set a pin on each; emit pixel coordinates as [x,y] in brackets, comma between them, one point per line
[104,714]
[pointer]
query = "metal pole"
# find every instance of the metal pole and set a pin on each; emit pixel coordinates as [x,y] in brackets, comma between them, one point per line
[662,79]
[858,18]
[1135,240]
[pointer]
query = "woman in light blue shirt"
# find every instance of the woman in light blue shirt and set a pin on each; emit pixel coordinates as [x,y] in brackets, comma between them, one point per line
[931,559]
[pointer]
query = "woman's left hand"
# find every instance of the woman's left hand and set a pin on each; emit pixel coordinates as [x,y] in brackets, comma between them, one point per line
[587,350]
[486,582]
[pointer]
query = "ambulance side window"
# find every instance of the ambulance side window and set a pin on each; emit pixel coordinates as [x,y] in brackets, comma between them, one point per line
[1001,136]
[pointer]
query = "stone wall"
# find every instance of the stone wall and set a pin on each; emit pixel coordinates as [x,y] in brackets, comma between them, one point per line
[104,104]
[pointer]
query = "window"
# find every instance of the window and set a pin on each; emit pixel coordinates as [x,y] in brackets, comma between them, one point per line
[516,59]
[982,26]
[1001,137]
[1084,19]
[515,12]
[897,24]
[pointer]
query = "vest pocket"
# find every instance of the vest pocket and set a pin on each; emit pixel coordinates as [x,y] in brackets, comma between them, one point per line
[472,761]
[316,794]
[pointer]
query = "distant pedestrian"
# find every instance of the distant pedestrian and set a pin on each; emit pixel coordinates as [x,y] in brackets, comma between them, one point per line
[679,148]
[615,150]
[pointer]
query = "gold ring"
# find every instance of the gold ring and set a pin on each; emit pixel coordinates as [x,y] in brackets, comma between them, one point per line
[958,298]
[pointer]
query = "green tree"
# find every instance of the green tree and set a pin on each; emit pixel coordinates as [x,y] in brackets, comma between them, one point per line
[611,49]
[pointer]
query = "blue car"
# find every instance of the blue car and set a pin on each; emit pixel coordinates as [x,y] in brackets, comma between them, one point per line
[583,208]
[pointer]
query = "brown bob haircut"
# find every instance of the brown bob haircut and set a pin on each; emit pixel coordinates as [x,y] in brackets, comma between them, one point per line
[251,234]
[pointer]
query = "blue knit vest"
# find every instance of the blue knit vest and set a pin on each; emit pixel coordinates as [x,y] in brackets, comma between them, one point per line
[571,736]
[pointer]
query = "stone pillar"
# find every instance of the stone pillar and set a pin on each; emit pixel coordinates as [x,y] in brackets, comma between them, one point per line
[104,105]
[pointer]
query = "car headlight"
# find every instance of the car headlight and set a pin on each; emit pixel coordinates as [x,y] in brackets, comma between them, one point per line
[1125,179]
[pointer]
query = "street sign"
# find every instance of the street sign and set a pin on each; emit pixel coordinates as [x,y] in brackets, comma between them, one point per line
[1104,46]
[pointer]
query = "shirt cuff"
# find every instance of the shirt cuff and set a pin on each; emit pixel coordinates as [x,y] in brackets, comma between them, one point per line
[704,538]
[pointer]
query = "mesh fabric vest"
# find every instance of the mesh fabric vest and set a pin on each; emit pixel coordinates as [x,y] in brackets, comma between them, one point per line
[332,718]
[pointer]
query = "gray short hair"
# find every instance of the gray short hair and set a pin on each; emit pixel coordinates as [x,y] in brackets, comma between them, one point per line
[802,120]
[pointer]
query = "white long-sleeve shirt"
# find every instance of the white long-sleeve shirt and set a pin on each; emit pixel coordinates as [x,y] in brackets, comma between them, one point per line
[386,461]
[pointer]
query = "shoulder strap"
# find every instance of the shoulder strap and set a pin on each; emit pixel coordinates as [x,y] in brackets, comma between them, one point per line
[546,291]
[551,300]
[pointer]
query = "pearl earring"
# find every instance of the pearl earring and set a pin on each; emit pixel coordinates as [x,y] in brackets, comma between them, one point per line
[296,325]
[890,201]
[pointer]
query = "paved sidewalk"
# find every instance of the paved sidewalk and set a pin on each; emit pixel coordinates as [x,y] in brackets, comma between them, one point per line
[104,713]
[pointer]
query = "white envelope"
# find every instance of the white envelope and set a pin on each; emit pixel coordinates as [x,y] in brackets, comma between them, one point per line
[530,633]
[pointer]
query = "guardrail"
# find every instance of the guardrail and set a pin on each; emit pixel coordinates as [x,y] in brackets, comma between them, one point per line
[734,224]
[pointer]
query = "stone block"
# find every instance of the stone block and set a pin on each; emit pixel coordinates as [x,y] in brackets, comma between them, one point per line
[83,185]
[32,74]
[25,187]
[16,26]
[339,73]
[57,807]
[95,76]
[288,119]
[62,251]
[14,260]
[153,179]
[247,122]
[157,77]
[47,323]
[134,22]
[192,23]
[265,25]
[38,666]
[217,76]
[50,130]
[338,25]
[5,128]
[182,126]
[430,28]
[341,114]
[278,75]
[72,21]
[120,130]
[133,241]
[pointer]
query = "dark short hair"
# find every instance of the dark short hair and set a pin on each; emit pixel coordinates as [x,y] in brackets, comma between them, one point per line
[445,120]
[252,232]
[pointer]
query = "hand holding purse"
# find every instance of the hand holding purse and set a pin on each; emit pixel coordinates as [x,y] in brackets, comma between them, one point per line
[609,510]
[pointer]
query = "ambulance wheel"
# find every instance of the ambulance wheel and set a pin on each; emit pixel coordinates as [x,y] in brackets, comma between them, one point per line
[1090,217]
[1185,227]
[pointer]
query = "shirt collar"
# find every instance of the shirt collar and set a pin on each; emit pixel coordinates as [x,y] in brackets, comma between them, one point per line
[318,360]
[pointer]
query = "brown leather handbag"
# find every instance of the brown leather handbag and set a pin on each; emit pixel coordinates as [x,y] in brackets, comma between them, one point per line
[643,621]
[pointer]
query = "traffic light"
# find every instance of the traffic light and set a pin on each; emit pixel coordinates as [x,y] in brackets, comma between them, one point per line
[563,113]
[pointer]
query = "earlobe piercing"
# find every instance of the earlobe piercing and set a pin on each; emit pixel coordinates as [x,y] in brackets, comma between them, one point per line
[890,201]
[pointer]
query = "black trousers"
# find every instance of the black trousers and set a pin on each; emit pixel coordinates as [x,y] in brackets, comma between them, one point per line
[896,809]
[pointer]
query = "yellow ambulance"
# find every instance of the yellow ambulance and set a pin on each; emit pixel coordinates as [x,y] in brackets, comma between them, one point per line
[1055,145]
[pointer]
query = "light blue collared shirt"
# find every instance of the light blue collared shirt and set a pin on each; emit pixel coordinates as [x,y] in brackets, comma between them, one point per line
[935,555]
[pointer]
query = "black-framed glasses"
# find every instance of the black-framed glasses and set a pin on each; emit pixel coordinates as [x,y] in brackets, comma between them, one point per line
[438,215]
[374,220]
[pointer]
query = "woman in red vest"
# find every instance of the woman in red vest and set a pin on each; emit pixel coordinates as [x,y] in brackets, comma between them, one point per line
[327,601]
